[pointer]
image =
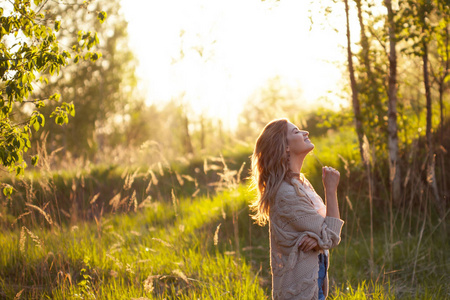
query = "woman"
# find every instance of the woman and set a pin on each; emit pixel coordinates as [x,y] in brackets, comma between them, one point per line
[302,228]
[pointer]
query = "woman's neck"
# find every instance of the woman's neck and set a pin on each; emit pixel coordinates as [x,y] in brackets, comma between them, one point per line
[296,163]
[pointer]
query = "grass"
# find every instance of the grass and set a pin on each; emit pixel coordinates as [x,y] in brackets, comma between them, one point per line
[187,250]
[155,253]
[169,241]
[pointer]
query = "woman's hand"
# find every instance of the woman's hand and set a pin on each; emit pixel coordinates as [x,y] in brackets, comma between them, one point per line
[330,179]
[308,243]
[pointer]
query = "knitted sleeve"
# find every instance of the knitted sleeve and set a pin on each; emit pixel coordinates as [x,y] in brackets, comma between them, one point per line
[296,213]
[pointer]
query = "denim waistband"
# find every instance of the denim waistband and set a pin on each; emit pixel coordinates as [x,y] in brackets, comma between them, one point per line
[322,257]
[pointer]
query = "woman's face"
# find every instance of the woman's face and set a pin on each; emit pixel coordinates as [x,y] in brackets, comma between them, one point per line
[298,141]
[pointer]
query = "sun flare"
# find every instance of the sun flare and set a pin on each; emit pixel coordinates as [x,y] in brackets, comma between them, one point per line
[215,54]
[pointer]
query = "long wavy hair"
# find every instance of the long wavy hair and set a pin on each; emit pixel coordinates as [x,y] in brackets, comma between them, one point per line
[270,166]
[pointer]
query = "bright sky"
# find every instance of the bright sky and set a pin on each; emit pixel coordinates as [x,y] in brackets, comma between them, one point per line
[243,44]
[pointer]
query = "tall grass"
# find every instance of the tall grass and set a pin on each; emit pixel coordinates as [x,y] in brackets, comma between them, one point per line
[184,232]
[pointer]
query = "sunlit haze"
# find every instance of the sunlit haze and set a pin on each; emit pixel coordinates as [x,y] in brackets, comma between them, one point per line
[214,54]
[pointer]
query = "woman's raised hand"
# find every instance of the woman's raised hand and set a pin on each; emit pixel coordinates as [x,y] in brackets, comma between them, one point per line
[330,179]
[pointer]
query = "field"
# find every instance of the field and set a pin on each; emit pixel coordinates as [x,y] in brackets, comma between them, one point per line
[184,232]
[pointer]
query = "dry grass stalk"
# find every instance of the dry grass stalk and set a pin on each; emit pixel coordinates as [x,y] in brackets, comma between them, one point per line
[195,193]
[124,173]
[181,275]
[216,235]
[163,242]
[20,217]
[121,239]
[82,181]
[148,283]
[123,201]
[205,166]
[46,216]
[118,263]
[17,297]
[179,178]
[61,278]
[129,180]
[65,213]
[174,201]
[240,172]
[154,179]
[22,240]
[147,190]
[34,237]
[133,201]
[74,185]
[114,202]
[349,202]
[160,168]
[189,178]
[94,198]
[146,203]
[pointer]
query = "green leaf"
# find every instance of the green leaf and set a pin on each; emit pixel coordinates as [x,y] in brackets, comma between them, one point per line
[35,125]
[57,25]
[59,120]
[55,97]
[94,57]
[34,160]
[7,190]
[101,16]
[41,119]
[19,170]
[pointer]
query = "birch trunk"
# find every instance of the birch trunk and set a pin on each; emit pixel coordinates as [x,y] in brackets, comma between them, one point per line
[394,166]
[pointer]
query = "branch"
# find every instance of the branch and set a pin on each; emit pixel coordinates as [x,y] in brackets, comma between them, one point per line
[378,39]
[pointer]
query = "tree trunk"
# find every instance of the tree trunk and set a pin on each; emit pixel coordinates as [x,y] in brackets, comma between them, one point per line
[394,166]
[431,175]
[187,138]
[442,84]
[365,49]
[355,100]
[359,128]
[202,132]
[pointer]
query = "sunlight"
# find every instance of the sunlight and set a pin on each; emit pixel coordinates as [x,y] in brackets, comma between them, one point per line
[214,54]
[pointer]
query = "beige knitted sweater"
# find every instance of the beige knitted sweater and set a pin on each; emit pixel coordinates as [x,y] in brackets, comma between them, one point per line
[292,216]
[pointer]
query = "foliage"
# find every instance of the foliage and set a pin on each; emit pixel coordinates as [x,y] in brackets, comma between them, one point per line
[31,53]
[102,91]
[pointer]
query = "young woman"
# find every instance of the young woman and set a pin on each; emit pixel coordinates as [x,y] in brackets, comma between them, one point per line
[302,228]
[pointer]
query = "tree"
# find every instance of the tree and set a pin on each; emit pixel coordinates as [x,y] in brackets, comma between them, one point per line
[420,13]
[102,91]
[355,99]
[394,161]
[29,49]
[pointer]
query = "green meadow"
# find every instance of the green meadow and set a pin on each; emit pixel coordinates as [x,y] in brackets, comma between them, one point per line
[185,232]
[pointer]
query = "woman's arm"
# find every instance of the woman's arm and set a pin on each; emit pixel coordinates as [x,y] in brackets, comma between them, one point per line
[297,216]
[330,179]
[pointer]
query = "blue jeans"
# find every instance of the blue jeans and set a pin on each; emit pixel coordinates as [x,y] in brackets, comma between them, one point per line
[323,263]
